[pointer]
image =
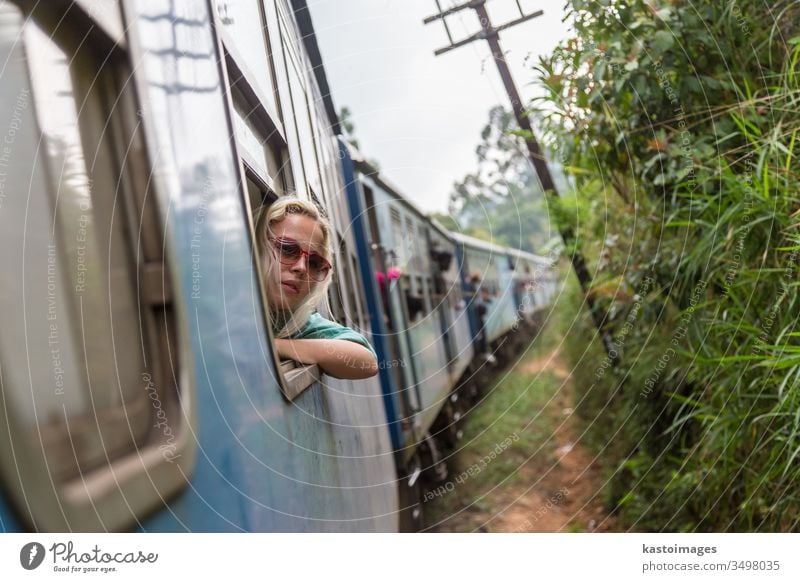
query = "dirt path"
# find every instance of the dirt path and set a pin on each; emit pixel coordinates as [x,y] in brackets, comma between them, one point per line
[558,491]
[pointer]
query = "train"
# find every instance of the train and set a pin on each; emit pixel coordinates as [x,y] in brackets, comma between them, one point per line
[140,389]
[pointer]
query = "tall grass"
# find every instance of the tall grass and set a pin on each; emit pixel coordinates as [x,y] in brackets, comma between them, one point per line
[700,426]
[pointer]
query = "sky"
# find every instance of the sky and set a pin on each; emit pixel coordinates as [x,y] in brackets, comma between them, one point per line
[417,115]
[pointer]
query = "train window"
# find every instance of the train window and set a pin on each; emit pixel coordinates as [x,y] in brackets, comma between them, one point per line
[258,193]
[261,154]
[303,149]
[296,181]
[400,240]
[302,112]
[413,259]
[244,34]
[346,285]
[425,267]
[94,391]
[419,287]
[84,221]
[329,163]
[294,378]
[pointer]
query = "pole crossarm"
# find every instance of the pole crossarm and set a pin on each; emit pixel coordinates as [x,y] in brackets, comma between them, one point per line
[445,13]
[520,20]
[454,45]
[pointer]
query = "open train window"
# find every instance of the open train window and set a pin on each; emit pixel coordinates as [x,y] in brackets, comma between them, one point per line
[259,144]
[244,34]
[92,399]
[302,104]
[294,378]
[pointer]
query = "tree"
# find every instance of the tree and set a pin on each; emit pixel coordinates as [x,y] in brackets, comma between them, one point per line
[349,130]
[348,126]
[502,201]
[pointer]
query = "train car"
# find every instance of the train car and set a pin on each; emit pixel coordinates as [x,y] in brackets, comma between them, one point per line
[422,294]
[512,285]
[488,267]
[140,389]
[417,313]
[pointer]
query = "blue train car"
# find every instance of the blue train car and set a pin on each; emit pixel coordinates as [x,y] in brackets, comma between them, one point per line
[140,388]
[408,262]
[487,266]
[410,312]
[515,286]
[420,318]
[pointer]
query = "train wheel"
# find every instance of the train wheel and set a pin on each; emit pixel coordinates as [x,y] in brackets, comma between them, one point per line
[447,428]
[468,390]
[433,462]
[456,407]
[454,432]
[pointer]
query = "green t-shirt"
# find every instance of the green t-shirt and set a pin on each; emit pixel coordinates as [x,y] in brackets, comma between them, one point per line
[318,327]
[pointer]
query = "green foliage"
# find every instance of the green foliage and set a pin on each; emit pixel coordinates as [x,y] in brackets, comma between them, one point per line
[349,131]
[678,122]
[348,126]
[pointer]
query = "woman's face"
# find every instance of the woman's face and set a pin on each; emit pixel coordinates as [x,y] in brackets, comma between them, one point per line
[289,284]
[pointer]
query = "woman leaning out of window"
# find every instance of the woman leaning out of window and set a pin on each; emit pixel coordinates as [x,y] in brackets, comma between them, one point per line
[296,246]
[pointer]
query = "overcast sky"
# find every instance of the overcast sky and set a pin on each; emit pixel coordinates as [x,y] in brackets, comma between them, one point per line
[417,115]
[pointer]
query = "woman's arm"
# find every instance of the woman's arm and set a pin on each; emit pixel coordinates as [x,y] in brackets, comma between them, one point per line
[337,358]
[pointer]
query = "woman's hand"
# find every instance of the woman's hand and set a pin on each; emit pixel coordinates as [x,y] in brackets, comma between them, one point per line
[337,358]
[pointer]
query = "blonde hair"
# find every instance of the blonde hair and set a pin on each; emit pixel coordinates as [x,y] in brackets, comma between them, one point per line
[274,214]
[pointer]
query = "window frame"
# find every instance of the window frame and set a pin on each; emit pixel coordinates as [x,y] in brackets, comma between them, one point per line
[126,485]
[235,59]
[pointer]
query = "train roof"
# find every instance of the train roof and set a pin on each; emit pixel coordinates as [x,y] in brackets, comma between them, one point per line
[499,249]
[530,256]
[366,168]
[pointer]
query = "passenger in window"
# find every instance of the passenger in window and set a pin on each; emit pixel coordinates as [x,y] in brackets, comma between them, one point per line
[296,249]
[481,300]
[393,274]
[415,305]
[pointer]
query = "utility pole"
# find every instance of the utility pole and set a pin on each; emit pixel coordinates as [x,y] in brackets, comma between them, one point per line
[491,34]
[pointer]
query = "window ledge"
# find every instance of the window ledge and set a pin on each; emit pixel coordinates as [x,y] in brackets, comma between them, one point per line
[297,378]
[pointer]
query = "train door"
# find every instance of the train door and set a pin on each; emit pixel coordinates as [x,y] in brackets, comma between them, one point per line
[469,289]
[441,300]
[385,280]
[398,258]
